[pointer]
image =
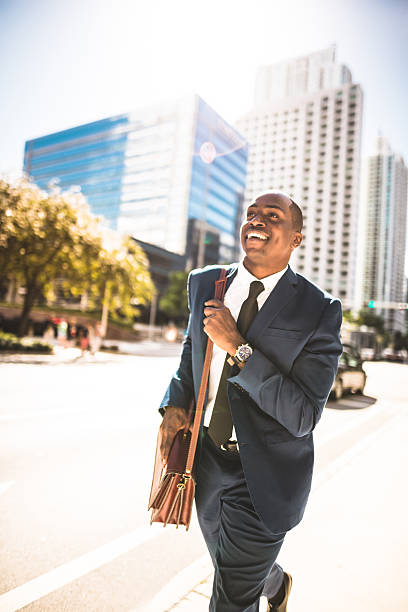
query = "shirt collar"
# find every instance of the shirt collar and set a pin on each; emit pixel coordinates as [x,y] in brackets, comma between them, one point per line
[244,277]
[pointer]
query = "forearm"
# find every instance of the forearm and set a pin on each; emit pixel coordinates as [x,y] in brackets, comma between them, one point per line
[296,399]
[278,395]
[180,390]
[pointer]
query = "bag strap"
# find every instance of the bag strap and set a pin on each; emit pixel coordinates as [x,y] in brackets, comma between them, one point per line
[220,286]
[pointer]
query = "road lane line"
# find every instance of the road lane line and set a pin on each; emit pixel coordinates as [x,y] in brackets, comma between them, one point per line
[60,576]
[43,585]
[4,486]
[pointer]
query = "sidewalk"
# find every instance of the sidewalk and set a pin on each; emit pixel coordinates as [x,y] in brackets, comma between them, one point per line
[146,348]
[349,552]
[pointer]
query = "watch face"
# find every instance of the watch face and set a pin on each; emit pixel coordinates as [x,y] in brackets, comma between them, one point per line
[244,352]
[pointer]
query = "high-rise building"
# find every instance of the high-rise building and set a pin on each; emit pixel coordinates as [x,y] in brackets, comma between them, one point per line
[385,243]
[172,175]
[304,136]
[300,76]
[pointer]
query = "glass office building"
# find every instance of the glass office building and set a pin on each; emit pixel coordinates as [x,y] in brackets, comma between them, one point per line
[172,175]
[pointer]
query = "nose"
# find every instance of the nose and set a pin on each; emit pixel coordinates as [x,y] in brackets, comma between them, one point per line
[257,220]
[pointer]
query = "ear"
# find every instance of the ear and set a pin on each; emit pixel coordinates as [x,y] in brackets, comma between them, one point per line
[297,240]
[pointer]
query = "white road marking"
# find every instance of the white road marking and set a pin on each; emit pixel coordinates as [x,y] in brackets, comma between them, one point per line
[43,585]
[4,486]
[60,576]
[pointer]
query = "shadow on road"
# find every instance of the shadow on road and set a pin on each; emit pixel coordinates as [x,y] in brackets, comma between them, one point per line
[352,402]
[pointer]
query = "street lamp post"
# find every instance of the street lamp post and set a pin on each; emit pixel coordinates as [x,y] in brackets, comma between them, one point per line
[152,316]
[207,154]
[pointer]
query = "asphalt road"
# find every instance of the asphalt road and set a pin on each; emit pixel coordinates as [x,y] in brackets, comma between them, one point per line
[76,453]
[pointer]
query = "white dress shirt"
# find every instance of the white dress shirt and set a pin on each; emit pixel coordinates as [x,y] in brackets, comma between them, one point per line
[236,294]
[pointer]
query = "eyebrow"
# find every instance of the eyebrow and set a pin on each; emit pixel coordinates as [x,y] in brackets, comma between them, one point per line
[266,206]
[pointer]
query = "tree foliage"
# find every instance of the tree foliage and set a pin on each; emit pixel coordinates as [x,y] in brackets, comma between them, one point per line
[369,318]
[51,236]
[174,301]
[120,279]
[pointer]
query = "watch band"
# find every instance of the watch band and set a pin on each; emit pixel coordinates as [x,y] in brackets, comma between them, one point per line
[236,359]
[232,360]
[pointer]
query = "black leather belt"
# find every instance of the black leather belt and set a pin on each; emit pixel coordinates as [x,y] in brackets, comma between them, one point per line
[230,447]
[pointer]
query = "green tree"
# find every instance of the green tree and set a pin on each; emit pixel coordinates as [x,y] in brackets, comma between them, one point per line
[348,316]
[119,279]
[174,301]
[369,318]
[45,237]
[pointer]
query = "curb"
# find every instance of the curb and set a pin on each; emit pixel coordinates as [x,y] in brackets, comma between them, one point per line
[190,581]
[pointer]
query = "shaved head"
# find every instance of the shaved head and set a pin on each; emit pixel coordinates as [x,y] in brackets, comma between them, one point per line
[295,210]
[297,216]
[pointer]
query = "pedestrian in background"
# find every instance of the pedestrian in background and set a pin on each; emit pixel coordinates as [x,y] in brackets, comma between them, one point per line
[95,337]
[49,332]
[62,331]
[83,338]
[72,333]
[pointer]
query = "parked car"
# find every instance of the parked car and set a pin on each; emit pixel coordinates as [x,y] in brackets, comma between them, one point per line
[350,376]
[397,356]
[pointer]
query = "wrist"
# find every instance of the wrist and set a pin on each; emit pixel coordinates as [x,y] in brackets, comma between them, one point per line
[238,341]
[241,355]
[174,409]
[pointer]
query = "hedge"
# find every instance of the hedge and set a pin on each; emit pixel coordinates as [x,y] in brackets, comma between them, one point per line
[11,344]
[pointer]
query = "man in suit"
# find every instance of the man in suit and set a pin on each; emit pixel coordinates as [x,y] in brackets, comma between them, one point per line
[276,351]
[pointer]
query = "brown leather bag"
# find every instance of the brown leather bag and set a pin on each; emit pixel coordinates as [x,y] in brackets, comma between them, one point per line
[173,485]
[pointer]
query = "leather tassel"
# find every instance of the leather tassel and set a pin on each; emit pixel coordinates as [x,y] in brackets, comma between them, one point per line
[173,506]
[180,507]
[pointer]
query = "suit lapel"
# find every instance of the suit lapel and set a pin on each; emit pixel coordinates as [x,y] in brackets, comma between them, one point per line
[209,294]
[231,274]
[284,291]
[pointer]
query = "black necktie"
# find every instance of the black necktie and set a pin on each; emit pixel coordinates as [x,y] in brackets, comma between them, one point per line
[220,427]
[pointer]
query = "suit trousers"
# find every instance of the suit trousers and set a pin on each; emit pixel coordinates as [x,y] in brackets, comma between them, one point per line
[242,549]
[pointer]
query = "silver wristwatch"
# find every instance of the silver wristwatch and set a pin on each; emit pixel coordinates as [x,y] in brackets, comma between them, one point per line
[242,354]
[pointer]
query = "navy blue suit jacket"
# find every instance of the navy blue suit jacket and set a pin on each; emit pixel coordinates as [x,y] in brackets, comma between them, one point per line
[277,399]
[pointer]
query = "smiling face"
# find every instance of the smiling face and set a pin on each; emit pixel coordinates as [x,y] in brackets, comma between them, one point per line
[268,235]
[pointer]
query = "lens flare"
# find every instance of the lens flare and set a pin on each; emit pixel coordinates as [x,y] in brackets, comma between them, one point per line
[208,152]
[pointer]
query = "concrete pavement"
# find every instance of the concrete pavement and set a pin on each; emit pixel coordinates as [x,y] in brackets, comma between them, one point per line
[71,436]
[61,355]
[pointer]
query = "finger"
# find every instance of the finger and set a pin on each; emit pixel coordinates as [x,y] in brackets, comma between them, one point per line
[209,313]
[212,309]
[214,302]
[206,320]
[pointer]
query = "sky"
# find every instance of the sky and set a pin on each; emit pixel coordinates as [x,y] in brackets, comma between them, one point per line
[66,63]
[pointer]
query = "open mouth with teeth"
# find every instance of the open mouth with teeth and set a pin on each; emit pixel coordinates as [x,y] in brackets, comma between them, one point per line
[256,236]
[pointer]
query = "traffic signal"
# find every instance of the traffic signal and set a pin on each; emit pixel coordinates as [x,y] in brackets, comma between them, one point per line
[371,304]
